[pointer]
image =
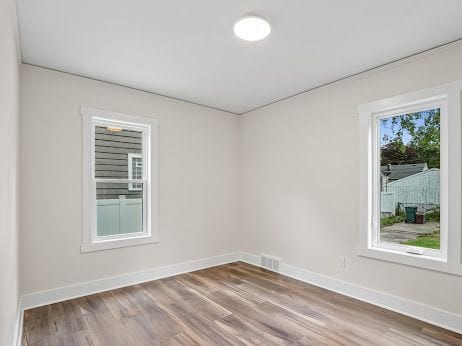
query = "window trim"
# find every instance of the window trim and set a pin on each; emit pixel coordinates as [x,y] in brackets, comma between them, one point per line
[90,241]
[130,170]
[449,258]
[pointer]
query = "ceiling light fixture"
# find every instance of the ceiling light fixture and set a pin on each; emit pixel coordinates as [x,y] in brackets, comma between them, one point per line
[252,28]
[113,129]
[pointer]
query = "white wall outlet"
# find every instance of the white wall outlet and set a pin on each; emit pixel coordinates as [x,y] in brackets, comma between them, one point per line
[341,262]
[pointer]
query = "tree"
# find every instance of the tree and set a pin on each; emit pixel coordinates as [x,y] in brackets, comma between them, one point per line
[397,153]
[422,132]
[392,153]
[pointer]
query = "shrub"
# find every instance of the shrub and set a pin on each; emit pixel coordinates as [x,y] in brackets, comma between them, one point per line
[390,220]
[433,215]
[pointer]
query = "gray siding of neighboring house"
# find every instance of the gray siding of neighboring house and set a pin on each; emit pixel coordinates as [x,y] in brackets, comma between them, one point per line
[111,161]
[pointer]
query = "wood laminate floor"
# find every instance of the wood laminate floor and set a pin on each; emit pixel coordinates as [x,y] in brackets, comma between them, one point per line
[233,304]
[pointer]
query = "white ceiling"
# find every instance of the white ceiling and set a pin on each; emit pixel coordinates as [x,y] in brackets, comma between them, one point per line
[186,49]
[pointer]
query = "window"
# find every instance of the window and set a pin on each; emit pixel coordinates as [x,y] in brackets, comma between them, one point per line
[410,179]
[120,182]
[407,180]
[135,171]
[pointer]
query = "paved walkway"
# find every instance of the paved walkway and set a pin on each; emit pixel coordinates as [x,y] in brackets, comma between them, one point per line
[401,232]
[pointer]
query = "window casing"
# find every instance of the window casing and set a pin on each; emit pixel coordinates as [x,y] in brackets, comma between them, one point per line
[448,257]
[119,201]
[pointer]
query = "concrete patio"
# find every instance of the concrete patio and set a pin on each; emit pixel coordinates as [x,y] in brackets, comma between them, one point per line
[401,232]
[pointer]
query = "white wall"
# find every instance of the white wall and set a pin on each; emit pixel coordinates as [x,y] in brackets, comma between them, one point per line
[297,161]
[8,187]
[198,158]
[299,166]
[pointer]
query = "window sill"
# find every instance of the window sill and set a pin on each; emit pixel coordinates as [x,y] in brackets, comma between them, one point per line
[419,261]
[118,243]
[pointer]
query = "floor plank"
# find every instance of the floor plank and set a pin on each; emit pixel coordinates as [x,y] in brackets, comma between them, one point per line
[232,304]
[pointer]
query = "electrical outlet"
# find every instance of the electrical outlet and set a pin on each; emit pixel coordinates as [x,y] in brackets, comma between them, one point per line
[341,262]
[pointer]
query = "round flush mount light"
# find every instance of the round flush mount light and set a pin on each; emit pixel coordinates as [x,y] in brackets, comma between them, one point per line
[252,28]
[114,129]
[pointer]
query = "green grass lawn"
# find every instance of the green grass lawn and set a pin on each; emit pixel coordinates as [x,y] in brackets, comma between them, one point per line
[431,241]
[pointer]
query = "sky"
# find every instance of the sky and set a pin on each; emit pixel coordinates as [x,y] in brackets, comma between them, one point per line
[386,128]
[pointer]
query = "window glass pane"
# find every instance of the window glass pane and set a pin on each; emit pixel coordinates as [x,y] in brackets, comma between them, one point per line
[118,209]
[410,179]
[135,167]
[112,148]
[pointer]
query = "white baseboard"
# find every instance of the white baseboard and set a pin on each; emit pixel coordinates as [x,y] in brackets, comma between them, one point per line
[42,298]
[403,306]
[18,325]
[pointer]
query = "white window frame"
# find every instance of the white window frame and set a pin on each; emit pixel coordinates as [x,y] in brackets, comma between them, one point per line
[448,259]
[149,127]
[131,186]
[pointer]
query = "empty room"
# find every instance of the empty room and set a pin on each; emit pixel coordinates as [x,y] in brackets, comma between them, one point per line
[246,172]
